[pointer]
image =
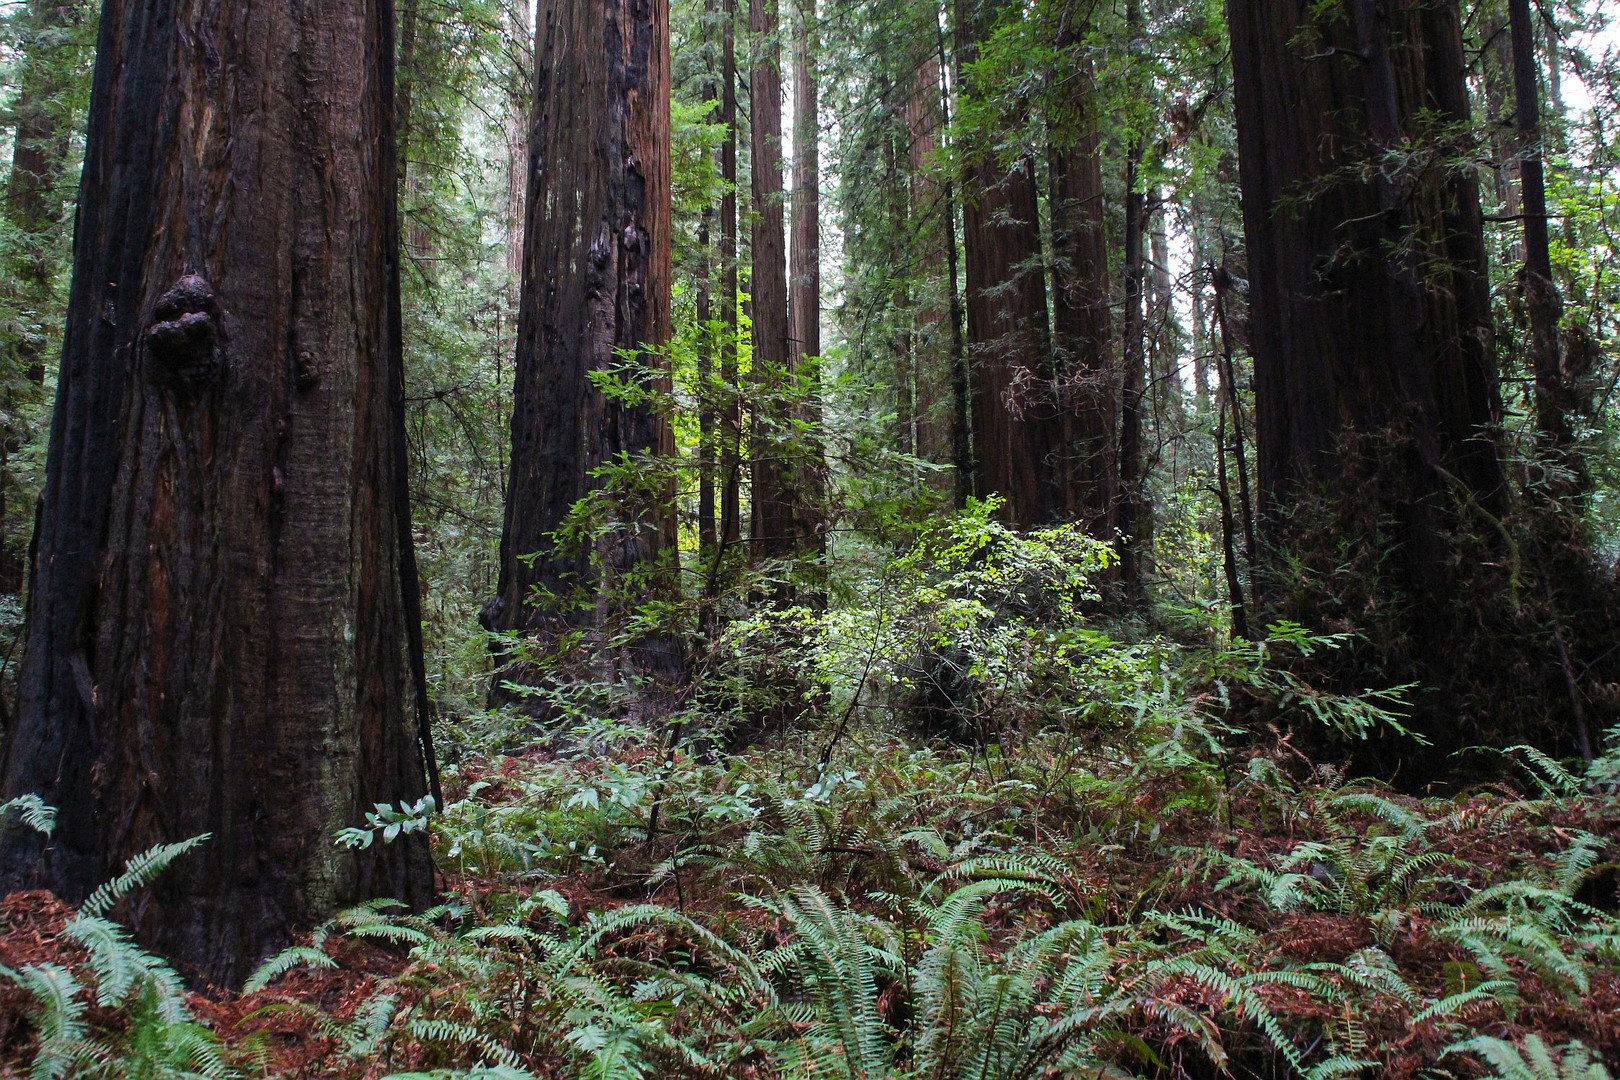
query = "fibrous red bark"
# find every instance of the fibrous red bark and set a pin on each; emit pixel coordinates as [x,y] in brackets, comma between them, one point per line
[221,627]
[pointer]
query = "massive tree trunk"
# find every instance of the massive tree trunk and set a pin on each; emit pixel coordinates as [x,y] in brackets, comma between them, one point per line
[1017,432]
[596,281]
[1082,330]
[775,500]
[221,624]
[1370,315]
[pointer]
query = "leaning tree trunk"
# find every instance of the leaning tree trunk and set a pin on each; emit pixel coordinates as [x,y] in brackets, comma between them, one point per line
[596,283]
[221,623]
[1017,431]
[1376,389]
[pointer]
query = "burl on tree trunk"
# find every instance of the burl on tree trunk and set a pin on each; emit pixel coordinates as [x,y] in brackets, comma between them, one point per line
[223,625]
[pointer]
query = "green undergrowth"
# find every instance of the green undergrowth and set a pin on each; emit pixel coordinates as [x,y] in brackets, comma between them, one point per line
[907,912]
[993,839]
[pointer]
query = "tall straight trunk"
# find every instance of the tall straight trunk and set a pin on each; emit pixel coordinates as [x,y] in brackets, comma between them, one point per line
[222,618]
[1370,319]
[707,519]
[1082,328]
[960,375]
[1164,331]
[1017,430]
[931,210]
[596,283]
[1133,512]
[517,139]
[775,498]
[731,414]
[805,301]
[1543,303]
[805,287]
[706,523]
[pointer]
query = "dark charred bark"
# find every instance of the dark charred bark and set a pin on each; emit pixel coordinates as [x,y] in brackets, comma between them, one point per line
[1017,430]
[596,280]
[1370,319]
[220,634]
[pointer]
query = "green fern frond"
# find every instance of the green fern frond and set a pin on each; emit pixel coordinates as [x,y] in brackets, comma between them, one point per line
[138,872]
[283,962]
[34,812]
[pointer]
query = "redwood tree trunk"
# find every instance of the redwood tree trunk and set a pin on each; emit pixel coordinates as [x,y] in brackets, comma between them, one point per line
[1375,385]
[1083,351]
[220,629]
[596,280]
[1543,303]
[774,501]
[1017,431]
[731,414]
[805,284]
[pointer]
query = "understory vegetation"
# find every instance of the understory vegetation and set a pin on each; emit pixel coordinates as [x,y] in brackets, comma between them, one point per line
[1095,875]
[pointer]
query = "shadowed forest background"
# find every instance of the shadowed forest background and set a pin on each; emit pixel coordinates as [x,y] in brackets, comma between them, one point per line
[809,538]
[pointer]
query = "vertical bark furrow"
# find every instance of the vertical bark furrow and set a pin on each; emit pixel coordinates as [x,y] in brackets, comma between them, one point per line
[220,635]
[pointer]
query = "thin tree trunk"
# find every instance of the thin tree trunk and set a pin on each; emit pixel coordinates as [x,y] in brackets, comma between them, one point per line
[731,415]
[966,474]
[1132,512]
[517,138]
[706,523]
[1543,303]
[805,305]
[220,627]
[596,282]
[33,204]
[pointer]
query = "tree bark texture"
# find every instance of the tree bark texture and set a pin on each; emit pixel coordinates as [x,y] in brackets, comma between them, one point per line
[596,281]
[221,624]
[1375,383]
[1133,516]
[1017,430]
[1082,332]
[932,337]
[775,499]
[805,271]
[1369,308]
[731,414]
[1543,303]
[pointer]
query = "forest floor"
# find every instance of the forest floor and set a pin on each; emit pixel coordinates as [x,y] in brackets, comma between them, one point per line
[912,911]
